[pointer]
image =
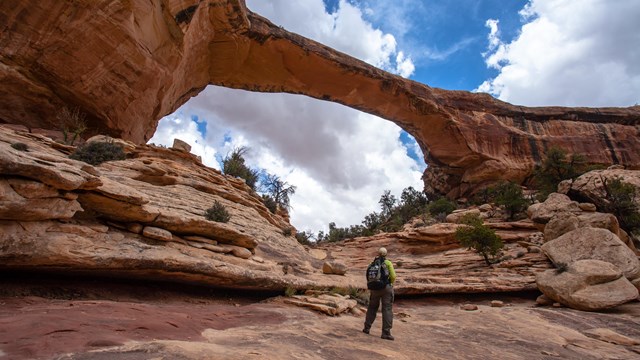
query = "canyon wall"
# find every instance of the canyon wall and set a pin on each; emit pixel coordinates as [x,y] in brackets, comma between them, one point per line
[127,64]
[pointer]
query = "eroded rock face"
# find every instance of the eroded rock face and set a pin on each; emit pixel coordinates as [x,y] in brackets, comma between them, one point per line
[142,217]
[159,54]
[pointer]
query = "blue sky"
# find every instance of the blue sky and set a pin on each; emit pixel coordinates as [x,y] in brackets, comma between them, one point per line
[447,38]
[527,52]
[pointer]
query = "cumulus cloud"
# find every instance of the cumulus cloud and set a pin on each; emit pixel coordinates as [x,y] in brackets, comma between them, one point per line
[340,160]
[344,30]
[572,53]
[183,127]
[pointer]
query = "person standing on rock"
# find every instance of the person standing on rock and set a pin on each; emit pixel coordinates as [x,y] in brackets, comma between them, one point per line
[380,279]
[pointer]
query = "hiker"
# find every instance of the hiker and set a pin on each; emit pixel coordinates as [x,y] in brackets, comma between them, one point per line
[380,278]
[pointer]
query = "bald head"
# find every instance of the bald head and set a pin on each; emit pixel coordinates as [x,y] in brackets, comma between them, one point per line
[382,251]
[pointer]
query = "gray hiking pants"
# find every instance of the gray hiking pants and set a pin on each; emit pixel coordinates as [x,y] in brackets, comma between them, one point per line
[386,296]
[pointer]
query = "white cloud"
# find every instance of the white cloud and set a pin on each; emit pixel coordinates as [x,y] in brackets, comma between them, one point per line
[572,53]
[340,160]
[441,55]
[179,126]
[345,30]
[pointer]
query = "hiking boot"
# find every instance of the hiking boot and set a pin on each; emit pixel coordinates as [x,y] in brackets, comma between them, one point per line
[365,330]
[387,337]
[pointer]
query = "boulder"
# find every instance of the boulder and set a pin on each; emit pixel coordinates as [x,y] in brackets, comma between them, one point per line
[240,252]
[556,203]
[590,185]
[596,244]
[560,224]
[334,267]
[127,146]
[588,285]
[157,233]
[455,216]
[181,145]
[563,222]
[544,300]
[317,254]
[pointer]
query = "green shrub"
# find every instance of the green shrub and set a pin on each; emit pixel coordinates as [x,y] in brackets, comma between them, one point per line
[234,165]
[217,213]
[484,196]
[287,231]
[621,202]
[510,195]
[20,146]
[557,167]
[95,153]
[441,206]
[479,237]
[304,237]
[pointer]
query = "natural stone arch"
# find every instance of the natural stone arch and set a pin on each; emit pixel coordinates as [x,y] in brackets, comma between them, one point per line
[128,64]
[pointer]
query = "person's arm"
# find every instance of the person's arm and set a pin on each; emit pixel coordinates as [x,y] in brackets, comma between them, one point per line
[392,271]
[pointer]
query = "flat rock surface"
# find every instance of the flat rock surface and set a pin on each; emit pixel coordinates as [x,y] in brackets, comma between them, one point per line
[87,320]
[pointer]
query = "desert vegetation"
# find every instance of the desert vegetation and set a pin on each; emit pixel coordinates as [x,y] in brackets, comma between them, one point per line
[507,194]
[218,213]
[275,191]
[394,214]
[479,237]
[234,164]
[621,201]
[556,167]
[96,153]
[72,123]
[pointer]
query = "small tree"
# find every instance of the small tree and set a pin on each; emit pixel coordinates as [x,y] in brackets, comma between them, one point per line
[304,237]
[234,164]
[218,213]
[72,124]
[269,203]
[556,168]
[387,202]
[510,195]
[479,237]
[621,202]
[278,190]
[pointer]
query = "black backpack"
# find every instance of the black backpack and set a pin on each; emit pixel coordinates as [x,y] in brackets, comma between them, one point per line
[377,274]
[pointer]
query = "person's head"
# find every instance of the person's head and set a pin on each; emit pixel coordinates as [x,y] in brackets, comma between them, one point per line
[382,252]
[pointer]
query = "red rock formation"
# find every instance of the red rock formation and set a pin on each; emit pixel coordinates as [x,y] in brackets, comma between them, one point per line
[143,217]
[127,64]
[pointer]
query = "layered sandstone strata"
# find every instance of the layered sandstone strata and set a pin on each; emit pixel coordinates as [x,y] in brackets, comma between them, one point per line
[127,64]
[143,217]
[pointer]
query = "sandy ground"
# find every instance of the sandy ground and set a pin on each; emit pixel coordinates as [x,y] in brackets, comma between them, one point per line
[103,319]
